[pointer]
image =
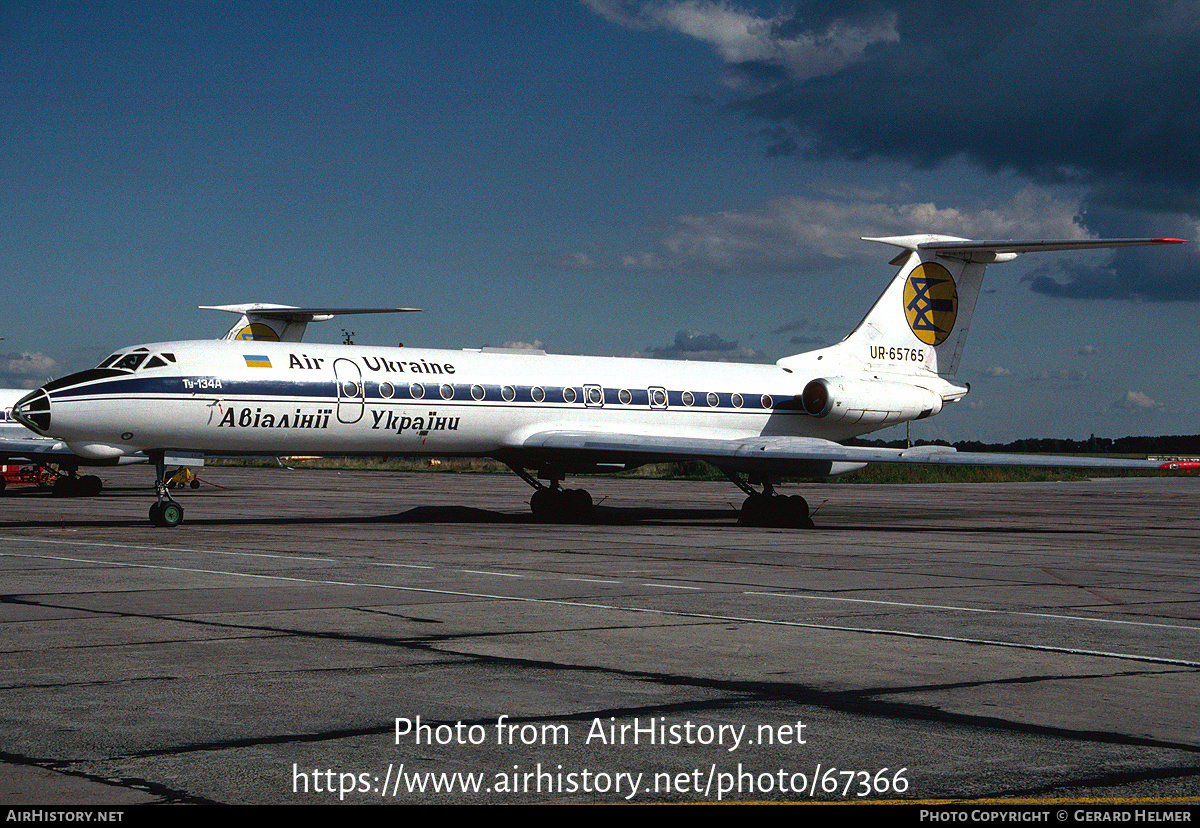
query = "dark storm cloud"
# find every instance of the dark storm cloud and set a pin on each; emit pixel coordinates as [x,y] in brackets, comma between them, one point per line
[1161,274]
[1140,280]
[1099,98]
[1057,91]
[1061,93]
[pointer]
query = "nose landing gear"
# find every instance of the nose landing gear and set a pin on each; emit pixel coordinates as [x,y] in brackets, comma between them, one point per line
[166,512]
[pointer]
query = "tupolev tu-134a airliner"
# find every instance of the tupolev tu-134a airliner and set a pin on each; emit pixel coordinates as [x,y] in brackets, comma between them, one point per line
[261,390]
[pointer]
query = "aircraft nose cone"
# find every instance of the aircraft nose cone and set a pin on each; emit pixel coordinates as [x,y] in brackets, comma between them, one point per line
[33,411]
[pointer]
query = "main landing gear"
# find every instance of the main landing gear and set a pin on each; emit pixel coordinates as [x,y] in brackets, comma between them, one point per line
[554,504]
[766,508]
[166,512]
[70,484]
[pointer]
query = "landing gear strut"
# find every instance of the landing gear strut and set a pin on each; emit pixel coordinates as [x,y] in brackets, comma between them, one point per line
[166,512]
[766,508]
[554,504]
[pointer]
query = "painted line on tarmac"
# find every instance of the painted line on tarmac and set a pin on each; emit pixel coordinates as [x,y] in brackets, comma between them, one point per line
[1047,615]
[615,608]
[831,598]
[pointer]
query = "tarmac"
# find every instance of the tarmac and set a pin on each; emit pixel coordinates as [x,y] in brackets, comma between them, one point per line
[323,637]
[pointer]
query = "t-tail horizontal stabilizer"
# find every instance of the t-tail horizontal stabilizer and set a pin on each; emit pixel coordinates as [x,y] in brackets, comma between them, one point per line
[1005,251]
[918,327]
[284,323]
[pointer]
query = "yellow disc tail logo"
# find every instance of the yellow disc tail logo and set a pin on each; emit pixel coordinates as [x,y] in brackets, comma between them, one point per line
[259,332]
[930,303]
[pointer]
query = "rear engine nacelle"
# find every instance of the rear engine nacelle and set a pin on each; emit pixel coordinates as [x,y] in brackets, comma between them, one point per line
[839,399]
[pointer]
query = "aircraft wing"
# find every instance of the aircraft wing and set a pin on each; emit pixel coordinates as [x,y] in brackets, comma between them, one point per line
[795,456]
[33,449]
[41,450]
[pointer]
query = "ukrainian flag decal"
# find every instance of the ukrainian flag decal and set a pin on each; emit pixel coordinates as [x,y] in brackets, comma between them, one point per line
[930,302]
[257,361]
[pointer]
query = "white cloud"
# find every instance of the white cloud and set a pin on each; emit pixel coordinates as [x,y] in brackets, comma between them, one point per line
[26,369]
[997,371]
[705,347]
[643,261]
[536,345]
[578,261]
[791,233]
[1137,401]
[741,36]
[1061,375]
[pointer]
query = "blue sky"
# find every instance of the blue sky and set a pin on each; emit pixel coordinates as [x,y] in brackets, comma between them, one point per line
[613,178]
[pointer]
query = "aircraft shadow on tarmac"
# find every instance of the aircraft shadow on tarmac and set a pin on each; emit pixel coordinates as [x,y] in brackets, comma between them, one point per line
[644,515]
[602,516]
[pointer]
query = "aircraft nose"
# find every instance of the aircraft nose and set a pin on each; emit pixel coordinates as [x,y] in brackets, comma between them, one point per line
[33,411]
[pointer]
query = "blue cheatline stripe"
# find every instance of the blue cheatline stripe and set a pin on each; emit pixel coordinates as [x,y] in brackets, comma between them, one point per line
[403,392]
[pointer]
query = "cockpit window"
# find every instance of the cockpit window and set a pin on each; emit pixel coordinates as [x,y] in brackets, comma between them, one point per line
[130,362]
[134,359]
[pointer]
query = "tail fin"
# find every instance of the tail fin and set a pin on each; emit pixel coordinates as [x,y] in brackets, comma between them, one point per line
[919,325]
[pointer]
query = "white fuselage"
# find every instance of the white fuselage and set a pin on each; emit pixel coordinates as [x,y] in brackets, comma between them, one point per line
[228,397]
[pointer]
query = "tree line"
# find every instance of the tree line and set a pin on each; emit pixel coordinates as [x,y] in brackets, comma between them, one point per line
[1188,444]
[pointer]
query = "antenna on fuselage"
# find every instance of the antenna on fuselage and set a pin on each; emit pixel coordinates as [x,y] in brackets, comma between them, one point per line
[284,323]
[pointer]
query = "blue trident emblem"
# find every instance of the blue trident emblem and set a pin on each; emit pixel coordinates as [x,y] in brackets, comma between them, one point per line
[930,303]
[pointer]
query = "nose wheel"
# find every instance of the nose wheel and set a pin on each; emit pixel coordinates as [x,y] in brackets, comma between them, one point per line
[166,512]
